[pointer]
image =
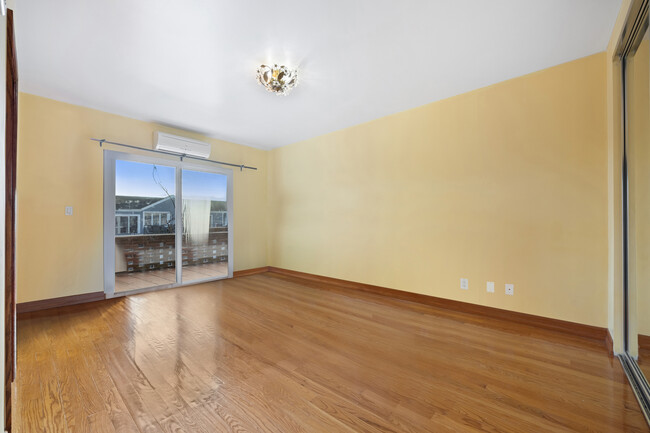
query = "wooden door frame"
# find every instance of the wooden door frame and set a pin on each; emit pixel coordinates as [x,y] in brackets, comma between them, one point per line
[11,145]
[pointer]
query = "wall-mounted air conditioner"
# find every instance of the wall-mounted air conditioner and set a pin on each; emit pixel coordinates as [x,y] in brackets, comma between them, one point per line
[180,145]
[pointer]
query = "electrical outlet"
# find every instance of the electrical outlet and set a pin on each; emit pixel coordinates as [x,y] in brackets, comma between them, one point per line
[490,286]
[68,210]
[464,284]
[510,289]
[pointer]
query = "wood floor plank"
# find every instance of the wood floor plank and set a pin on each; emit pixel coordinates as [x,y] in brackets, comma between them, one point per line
[100,422]
[273,354]
[79,395]
[53,416]
[116,409]
[32,408]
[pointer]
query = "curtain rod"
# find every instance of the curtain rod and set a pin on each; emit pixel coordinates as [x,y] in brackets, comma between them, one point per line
[103,141]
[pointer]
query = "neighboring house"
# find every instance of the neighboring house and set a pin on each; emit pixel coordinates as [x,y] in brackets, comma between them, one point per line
[218,214]
[147,215]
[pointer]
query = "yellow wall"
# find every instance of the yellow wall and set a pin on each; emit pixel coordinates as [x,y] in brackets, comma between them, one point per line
[506,184]
[59,166]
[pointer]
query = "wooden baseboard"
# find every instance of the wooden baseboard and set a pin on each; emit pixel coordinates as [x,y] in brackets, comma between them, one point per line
[46,304]
[253,271]
[644,341]
[64,301]
[609,342]
[572,328]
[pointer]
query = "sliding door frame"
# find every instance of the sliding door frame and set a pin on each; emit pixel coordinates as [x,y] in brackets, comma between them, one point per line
[110,158]
[633,31]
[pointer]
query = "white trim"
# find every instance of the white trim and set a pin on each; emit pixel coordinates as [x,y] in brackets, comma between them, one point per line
[109,232]
[178,221]
[230,207]
[110,156]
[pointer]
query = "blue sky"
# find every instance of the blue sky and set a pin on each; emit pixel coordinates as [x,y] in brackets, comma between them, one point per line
[137,179]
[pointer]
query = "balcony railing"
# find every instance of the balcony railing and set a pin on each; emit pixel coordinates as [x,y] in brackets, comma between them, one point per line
[145,252]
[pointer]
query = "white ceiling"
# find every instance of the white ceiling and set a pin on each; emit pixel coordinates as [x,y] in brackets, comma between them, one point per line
[191,63]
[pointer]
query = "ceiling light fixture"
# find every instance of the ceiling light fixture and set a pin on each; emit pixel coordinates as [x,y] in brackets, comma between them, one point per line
[277,79]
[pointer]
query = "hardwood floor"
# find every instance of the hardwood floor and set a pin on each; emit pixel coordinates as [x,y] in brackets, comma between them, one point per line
[270,353]
[142,280]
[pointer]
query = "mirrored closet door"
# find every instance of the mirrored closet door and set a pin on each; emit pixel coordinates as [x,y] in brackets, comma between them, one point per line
[635,71]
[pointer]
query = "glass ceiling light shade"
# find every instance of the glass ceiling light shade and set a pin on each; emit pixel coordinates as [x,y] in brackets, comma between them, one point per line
[277,79]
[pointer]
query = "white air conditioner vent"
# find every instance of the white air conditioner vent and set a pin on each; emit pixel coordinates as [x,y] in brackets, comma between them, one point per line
[180,145]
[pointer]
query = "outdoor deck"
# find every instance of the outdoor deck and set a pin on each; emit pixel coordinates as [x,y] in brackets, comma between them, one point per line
[141,280]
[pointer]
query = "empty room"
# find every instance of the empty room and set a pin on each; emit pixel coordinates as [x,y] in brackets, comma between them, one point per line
[325,216]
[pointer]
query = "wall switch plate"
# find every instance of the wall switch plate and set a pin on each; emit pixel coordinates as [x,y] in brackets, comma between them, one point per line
[464,284]
[68,210]
[490,286]
[510,289]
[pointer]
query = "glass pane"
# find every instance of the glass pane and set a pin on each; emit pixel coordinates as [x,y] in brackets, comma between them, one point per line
[145,255]
[205,248]
[637,81]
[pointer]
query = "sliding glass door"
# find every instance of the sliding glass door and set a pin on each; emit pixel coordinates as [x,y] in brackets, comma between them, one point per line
[144,215]
[205,226]
[159,213]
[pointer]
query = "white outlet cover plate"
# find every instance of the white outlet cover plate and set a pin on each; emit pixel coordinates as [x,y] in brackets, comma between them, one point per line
[464,284]
[68,210]
[510,289]
[490,286]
